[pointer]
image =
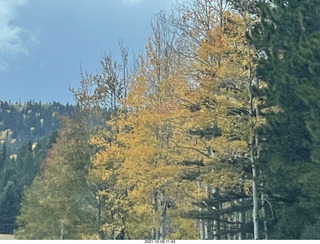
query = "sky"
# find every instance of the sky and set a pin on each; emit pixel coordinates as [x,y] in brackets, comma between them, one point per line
[44,44]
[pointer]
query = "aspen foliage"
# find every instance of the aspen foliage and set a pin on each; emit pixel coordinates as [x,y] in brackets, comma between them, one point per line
[61,201]
[147,160]
[181,123]
[220,98]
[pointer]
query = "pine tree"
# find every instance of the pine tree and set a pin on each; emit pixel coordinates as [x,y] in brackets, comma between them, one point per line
[286,39]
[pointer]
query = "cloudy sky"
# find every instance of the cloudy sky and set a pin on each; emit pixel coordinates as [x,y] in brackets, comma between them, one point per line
[43,43]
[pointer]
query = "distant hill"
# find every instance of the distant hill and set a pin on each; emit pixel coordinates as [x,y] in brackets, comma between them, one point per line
[27,131]
[29,121]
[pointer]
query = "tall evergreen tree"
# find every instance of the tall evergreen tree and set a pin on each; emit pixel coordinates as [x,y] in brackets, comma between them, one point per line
[286,37]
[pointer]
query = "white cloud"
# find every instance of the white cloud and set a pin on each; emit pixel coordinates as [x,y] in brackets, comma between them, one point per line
[12,37]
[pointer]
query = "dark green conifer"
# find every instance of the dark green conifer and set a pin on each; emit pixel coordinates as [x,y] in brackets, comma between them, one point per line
[287,38]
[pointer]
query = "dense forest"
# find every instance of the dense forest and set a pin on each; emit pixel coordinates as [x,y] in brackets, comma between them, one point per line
[211,133]
[26,133]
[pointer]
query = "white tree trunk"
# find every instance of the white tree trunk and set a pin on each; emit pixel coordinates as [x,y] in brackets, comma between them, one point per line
[163,216]
[264,215]
[201,223]
[253,156]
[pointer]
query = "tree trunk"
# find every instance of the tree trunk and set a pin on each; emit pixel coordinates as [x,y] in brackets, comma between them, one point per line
[154,211]
[264,215]
[208,223]
[216,221]
[62,230]
[163,216]
[242,220]
[253,156]
[255,197]
[201,222]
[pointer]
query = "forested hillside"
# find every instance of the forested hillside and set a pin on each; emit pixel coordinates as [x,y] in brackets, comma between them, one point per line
[212,133]
[26,133]
[20,123]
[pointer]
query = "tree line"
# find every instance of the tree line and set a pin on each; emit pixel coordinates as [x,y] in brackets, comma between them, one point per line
[211,133]
[26,132]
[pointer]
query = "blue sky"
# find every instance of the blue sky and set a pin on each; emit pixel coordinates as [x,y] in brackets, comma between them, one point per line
[43,43]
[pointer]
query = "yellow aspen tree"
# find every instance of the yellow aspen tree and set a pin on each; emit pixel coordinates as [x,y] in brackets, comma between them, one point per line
[185,122]
[151,158]
[218,97]
[142,144]
[61,203]
[223,71]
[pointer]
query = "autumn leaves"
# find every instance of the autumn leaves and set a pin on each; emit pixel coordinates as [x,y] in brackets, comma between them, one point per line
[186,120]
[180,123]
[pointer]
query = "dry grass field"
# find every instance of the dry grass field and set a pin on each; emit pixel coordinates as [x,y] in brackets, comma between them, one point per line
[6,237]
